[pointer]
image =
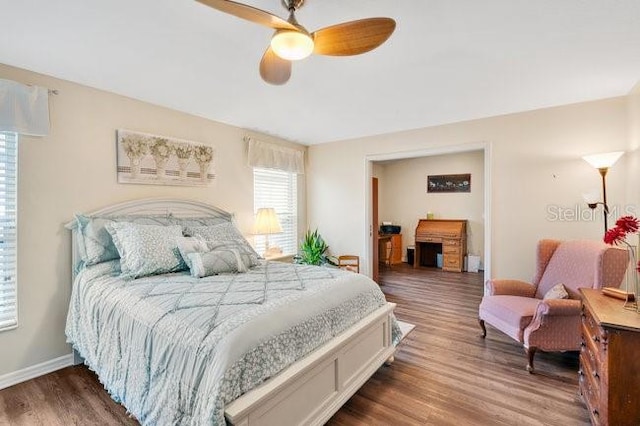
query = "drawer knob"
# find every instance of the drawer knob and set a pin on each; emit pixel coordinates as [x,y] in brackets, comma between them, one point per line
[596,375]
[580,373]
[596,338]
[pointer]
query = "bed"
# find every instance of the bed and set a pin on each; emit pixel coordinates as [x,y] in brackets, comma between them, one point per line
[273,344]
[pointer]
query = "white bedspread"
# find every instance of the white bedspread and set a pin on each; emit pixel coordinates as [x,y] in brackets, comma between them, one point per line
[175,349]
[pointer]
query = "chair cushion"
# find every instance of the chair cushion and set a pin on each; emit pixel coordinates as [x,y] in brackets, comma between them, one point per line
[509,314]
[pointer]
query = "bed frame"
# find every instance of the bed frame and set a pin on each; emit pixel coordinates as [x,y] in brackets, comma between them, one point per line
[309,391]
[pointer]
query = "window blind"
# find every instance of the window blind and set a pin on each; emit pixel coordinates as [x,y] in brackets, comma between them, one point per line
[277,189]
[8,228]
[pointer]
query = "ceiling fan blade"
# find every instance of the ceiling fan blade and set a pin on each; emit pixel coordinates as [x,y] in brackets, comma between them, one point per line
[249,13]
[354,37]
[274,69]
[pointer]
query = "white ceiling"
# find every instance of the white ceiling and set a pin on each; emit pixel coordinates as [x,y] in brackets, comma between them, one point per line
[448,61]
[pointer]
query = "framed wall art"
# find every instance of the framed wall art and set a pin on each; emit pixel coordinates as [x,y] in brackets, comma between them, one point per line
[449,183]
[160,160]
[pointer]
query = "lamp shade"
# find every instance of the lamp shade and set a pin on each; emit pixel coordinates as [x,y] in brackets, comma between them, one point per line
[292,45]
[604,160]
[267,222]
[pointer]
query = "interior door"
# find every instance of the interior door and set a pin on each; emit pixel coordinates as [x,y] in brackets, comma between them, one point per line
[374,229]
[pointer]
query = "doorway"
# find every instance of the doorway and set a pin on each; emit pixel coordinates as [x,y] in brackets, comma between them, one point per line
[483,217]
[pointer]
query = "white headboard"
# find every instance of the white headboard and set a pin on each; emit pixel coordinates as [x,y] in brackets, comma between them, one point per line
[148,206]
[159,206]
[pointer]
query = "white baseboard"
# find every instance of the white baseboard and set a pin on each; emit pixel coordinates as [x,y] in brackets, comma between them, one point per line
[34,371]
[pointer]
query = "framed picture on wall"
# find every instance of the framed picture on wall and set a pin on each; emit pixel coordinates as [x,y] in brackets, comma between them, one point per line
[161,160]
[449,183]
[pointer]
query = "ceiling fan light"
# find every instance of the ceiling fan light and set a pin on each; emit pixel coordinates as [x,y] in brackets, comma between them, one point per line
[292,45]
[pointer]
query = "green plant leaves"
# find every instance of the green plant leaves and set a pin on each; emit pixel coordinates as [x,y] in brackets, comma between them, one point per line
[313,248]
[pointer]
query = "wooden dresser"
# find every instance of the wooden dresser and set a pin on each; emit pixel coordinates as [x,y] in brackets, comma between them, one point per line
[609,373]
[451,234]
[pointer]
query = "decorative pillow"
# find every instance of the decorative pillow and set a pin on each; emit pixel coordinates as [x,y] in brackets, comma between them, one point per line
[95,244]
[556,292]
[216,262]
[147,249]
[248,258]
[224,232]
[188,245]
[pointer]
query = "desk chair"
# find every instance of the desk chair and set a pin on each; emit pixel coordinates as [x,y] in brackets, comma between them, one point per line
[349,262]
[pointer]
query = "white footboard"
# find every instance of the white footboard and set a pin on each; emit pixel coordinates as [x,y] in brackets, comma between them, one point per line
[310,391]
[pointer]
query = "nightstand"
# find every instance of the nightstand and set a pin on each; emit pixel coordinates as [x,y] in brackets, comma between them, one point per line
[285,258]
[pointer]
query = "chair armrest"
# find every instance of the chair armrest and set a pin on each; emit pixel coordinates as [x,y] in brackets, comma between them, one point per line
[509,288]
[559,307]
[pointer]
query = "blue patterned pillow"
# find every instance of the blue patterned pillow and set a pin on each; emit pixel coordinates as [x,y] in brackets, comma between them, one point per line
[199,221]
[216,262]
[147,249]
[224,233]
[95,244]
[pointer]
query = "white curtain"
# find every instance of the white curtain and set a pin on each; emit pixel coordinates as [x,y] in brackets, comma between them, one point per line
[272,156]
[24,109]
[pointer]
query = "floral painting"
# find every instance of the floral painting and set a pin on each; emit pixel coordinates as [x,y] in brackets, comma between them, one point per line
[160,160]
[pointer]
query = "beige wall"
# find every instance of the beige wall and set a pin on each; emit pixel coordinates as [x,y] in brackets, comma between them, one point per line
[73,170]
[405,199]
[633,154]
[537,177]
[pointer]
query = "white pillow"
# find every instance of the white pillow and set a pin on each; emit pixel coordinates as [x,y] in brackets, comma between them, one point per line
[556,292]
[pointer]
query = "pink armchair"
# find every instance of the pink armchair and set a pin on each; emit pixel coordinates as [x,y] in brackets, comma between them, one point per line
[517,308]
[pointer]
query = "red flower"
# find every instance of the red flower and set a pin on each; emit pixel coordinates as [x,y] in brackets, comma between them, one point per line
[615,235]
[628,224]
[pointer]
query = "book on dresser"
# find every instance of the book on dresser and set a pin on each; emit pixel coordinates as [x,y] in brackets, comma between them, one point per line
[609,375]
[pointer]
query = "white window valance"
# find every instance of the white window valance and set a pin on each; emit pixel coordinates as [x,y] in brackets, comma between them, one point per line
[272,156]
[24,109]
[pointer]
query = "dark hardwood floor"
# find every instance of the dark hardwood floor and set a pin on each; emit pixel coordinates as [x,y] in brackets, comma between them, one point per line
[443,374]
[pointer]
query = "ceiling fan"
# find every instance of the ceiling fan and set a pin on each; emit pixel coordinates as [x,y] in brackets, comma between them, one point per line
[292,42]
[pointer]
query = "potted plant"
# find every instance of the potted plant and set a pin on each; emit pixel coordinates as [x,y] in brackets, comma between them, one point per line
[312,249]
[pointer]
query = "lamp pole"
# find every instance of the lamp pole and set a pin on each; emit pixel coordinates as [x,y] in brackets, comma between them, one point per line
[603,172]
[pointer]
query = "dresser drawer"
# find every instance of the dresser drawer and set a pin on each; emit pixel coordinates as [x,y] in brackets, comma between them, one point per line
[454,251]
[451,262]
[592,350]
[450,243]
[590,392]
[592,331]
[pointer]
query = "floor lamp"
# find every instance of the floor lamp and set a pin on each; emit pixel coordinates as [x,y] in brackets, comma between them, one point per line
[267,223]
[602,162]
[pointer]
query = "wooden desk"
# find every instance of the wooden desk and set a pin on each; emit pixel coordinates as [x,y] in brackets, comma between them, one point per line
[450,236]
[390,249]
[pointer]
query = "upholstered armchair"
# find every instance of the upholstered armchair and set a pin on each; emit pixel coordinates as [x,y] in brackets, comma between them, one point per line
[519,309]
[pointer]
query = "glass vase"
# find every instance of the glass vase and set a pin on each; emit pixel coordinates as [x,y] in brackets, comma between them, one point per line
[632,283]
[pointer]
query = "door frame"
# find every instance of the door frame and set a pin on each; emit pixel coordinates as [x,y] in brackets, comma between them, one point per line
[428,152]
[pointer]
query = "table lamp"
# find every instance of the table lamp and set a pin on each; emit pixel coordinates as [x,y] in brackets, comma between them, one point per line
[267,223]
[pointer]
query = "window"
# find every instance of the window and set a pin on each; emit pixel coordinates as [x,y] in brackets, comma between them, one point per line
[279,190]
[8,219]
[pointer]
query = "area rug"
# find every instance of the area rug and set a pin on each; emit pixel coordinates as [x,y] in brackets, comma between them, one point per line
[406,328]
